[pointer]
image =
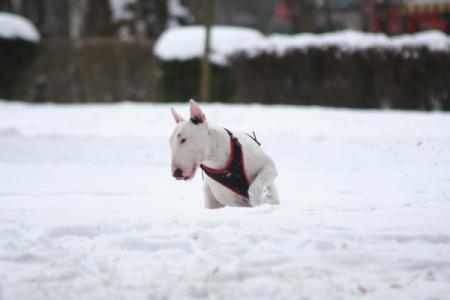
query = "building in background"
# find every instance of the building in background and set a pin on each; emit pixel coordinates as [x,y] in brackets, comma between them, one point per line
[291,16]
[408,16]
[148,18]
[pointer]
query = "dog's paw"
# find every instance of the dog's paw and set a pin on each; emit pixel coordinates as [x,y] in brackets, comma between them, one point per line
[258,195]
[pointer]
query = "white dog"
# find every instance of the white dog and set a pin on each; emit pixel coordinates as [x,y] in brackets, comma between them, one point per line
[237,171]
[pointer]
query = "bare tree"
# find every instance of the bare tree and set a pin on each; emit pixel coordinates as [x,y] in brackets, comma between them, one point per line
[98,19]
[77,12]
[153,14]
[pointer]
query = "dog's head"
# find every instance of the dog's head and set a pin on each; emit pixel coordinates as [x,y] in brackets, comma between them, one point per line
[188,142]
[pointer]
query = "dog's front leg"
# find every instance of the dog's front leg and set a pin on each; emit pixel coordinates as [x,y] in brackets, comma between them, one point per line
[210,200]
[261,183]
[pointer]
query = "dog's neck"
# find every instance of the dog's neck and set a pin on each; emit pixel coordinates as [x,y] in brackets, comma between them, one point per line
[218,151]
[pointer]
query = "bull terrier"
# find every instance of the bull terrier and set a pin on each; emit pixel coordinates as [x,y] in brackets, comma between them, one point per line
[237,171]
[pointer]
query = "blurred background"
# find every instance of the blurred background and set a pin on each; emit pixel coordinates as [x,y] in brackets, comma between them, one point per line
[104,51]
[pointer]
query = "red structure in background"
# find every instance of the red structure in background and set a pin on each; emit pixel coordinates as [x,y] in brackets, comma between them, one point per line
[395,17]
[283,12]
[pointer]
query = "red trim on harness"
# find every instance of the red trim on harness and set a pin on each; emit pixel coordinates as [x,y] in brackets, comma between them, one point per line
[230,161]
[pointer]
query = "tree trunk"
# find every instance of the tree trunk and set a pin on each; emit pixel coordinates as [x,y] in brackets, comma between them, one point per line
[77,12]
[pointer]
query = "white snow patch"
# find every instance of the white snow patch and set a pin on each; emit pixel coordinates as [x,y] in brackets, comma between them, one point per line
[347,40]
[344,40]
[89,210]
[17,27]
[176,11]
[186,42]
[120,10]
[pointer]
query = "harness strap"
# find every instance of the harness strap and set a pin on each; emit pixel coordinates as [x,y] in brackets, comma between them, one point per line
[233,176]
[254,138]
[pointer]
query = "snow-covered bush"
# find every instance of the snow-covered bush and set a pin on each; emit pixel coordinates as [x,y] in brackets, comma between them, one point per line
[180,80]
[18,45]
[347,68]
[406,78]
[346,41]
[180,51]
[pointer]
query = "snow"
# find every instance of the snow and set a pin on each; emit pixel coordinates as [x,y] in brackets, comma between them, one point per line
[89,209]
[176,11]
[187,42]
[348,40]
[183,43]
[17,27]
[120,9]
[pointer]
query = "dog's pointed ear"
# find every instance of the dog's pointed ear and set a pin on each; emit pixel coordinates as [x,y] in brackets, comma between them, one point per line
[176,116]
[197,116]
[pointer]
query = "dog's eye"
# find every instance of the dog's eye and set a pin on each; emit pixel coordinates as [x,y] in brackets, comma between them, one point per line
[182,141]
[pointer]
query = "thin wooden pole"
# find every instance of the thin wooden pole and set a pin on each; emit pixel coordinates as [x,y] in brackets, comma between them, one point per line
[205,82]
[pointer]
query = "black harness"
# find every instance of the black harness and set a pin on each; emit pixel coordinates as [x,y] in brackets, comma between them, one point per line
[233,176]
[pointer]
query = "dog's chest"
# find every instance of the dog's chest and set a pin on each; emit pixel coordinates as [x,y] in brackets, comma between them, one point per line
[224,195]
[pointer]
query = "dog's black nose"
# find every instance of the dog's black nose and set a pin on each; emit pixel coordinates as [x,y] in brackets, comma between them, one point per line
[177,173]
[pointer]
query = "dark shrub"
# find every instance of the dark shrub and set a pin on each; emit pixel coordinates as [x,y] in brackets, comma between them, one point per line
[408,78]
[90,70]
[180,80]
[15,56]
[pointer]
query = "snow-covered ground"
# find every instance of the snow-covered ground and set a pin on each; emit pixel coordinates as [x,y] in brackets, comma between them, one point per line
[88,209]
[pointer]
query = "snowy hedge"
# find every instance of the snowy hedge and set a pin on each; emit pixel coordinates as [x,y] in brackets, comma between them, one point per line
[180,50]
[347,68]
[18,45]
[181,80]
[409,78]
[187,42]
[345,41]
[183,43]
